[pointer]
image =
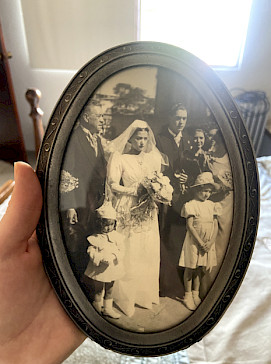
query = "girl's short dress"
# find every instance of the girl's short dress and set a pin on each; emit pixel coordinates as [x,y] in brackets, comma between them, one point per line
[203,213]
[106,257]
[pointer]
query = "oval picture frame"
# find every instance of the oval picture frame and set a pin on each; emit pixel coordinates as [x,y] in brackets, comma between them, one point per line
[134,82]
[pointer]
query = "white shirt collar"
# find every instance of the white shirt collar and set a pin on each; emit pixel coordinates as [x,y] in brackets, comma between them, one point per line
[177,137]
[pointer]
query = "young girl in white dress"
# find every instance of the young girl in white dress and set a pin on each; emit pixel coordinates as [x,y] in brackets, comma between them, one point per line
[199,251]
[135,157]
[105,260]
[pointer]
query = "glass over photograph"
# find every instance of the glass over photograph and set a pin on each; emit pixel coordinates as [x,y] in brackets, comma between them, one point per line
[146,199]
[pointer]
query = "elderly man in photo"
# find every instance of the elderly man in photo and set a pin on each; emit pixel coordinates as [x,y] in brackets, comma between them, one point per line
[82,183]
[173,142]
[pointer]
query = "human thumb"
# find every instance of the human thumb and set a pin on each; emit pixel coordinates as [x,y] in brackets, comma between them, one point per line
[22,216]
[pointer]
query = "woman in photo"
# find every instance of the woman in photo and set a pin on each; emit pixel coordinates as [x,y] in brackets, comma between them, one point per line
[134,158]
[197,154]
[219,164]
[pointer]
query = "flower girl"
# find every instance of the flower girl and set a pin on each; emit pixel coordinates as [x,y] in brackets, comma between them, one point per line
[199,251]
[106,260]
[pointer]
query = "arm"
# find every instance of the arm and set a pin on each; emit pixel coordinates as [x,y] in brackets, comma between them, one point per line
[117,255]
[95,254]
[194,233]
[71,181]
[114,174]
[210,243]
[34,328]
[99,256]
[98,253]
[117,188]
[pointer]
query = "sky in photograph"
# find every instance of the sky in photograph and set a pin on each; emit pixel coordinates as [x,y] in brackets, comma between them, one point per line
[143,77]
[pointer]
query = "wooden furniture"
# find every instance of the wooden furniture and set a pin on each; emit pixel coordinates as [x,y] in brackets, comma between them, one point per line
[11,138]
[6,189]
[33,97]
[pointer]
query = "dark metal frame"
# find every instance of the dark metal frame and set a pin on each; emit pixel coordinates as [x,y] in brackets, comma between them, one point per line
[246,201]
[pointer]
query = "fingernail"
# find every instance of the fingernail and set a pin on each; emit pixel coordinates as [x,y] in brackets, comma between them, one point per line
[15,166]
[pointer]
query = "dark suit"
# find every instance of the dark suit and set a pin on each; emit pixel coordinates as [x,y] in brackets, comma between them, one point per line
[172,225]
[166,144]
[89,172]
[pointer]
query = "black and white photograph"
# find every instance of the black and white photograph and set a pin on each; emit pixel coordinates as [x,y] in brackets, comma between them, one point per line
[146,199]
[150,199]
[135,181]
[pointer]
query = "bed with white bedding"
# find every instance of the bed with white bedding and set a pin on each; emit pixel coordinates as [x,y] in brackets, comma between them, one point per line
[243,335]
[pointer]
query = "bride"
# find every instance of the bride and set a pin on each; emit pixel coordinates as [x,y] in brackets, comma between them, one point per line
[135,157]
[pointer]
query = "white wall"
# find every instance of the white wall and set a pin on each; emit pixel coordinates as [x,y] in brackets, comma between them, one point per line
[254,73]
[65,34]
[53,82]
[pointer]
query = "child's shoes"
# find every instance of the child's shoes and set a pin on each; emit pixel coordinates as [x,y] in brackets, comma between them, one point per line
[98,305]
[109,310]
[196,298]
[189,302]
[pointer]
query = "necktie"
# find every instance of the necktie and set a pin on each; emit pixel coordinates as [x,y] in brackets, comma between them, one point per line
[93,142]
[92,139]
[178,138]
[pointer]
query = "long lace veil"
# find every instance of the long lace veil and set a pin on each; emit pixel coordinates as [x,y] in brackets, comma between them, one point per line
[121,144]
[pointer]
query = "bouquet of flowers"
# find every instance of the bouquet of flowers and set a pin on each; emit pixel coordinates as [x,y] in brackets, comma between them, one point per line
[153,189]
[159,188]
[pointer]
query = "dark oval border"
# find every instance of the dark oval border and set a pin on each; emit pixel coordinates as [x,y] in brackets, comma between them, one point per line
[48,170]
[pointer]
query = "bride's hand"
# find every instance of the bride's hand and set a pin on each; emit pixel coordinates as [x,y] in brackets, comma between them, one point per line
[141,190]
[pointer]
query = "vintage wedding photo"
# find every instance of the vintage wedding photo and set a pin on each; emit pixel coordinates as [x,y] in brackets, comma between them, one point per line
[146,199]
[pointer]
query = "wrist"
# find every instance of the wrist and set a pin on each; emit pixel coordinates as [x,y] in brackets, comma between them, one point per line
[45,340]
[133,190]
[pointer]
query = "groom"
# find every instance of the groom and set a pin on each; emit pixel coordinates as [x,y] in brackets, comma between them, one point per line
[82,183]
[173,141]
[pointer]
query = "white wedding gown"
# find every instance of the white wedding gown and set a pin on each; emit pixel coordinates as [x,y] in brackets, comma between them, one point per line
[140,284]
